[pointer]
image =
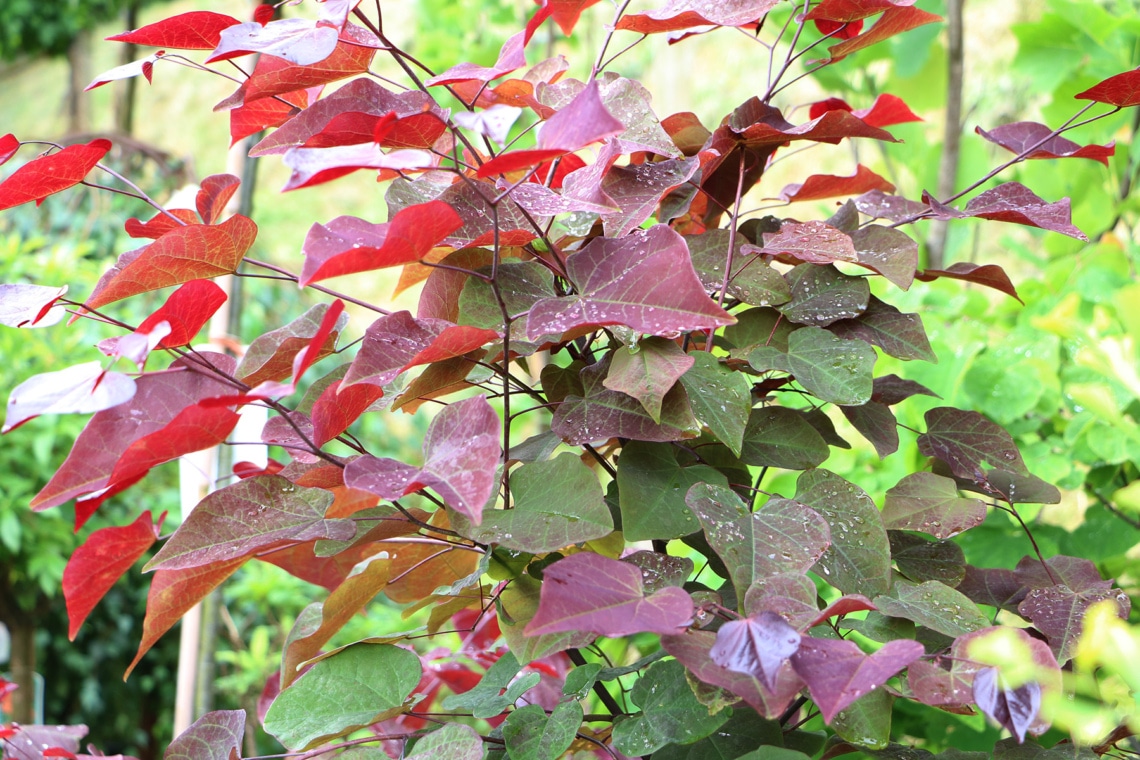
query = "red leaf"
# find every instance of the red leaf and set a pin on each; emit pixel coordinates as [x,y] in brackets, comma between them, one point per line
[102,559]
[896,20]
[1121,90]
[29,305]
[194,428]
[315,349]
[300,41]
[215,192]
[248,469]
[250,118]
[852,10]
[348,245]
[108,434]
[264,13]
[990,275]
[566,165]
[192,252]
[461,453]
[686,14]
[80,389]
[314,166]
[837,672]
[511,57]
[196,30]
[759,125]
[59,752]
[644,280]
[839,30]
[564,12]
[589,592]
[52,173]
[333,412]
[472,201]
[173,593]
[160,224]
[143,67]
[886,111]
[820,186]
[186,311]
[8,147]
[1020,136]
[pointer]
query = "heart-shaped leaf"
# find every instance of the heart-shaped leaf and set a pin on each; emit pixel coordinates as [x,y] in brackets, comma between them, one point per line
[756,645]
[52,173]
[837,672]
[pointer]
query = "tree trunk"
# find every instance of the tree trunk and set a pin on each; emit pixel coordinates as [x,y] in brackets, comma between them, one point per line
[79,76]
[125,91]
[22,663]
[952,134]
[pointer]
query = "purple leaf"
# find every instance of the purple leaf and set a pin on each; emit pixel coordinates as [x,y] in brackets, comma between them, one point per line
[1059,612]
[755,645]
[930,503]
[30,305]
[692,650]
[967,441]
[888,251]
[932,684]
[313,166]
[647,372]
[600,414]
[837,672]
[892,389]
[878,205]
[629,102]
[494,122]
[792,596]
[589,592]
[542,201]
[638,189]
[996,587]
[249,516]
[898,334]
[511,57]
[1020,136]
[80,389]
[810,242]
[644,280]
[461,454]
[783,536]
[215,736]
[990,275]
[875,422]
[1015,203]
[1012,709]
[1077,573]
[300,41]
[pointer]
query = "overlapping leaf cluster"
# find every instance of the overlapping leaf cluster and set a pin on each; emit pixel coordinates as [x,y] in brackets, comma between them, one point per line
[676,350]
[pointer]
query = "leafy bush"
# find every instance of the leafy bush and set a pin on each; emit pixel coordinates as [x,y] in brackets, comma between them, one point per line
[620,505]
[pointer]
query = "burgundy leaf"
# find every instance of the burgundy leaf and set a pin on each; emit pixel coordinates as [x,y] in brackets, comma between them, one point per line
[1014,203]
[348,245]
[811,242]
[196,30]
[193,428]
[30,305]
[461,453]
[837,672]
[819,186]
[637,190]
[990,275]
[930,503]
[80,389]
[888,251]
[852,10]
[760,125]
[187,310]
[1038,141]
[1077,573]
[644,280]
[1012,709]
[879,205]
[102,559]
[686,14]
[792,596]
[892,389]
[886,111]
[967,442]
[52,173]
[541,200]
[1120,90]
[247,517]
[755,645]
[589,592]
[996,587]
[625,99]
[1059,612]
[648,371]
[159,398]
[216,735]
[297,40]
[875,422]
[844,605]
[314,166]
[29,742]
[142,67]
[494,122]
[511,57]
[399,341]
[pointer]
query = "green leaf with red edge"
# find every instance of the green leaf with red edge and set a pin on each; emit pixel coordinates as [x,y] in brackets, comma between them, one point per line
[193,428]
[900,335]
[334,411]
[300,41]
[461,454]
[837,672]
[852,10]
[819,186]
[930,503]
[647,372]
[186,310]
[50,174]
[969,443]
[470,199]
[217,735]
[247,517]
[192,252]
[895,20]
[686,14]
[348,245]
[29,305]
[399,341]
[102,559]
[79,389]
[589,592]
[251,118]
[271,356]
[511,57]
[644,280]
[990,275]
[1039,141]
[1120,90]
[274,76]
[196,30]
[173,593]
[159,397]
[8,147]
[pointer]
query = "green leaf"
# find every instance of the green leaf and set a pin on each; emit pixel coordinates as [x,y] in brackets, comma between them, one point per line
[867,721]
[780,437]
[761,326]
[774,753]
[720,397]
[360,685]
[647,371]
[930,503]
[581,679]
[556,503]
[670,713]
[934,605]
[744,731]
[485,700]
[859,558]
[831,368]
[753,280]
[822,295]
[522,285]
[900,335]
[532,735]
[920,559]
[651,491]
[454,741]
